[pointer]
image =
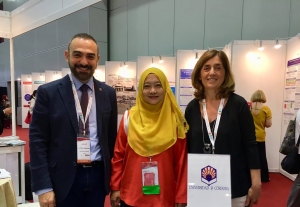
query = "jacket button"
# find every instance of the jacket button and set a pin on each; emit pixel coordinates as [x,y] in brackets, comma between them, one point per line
[74,163]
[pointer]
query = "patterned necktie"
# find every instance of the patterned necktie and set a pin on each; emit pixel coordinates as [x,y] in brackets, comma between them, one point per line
[84,103]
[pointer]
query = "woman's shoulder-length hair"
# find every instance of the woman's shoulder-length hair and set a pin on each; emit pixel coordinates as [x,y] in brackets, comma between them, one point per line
[227,86]
[258,96]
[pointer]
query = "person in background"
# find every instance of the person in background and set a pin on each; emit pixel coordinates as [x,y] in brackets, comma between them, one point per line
[151,136]
[32,101]
[217,110]
[262,117]
[3,113]
[6,120]
[72,133]
[4,101]
[294,196]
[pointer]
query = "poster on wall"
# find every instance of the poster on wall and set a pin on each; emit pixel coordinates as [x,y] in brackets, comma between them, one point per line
[122,77]
[125,90]
[291,100]
[186,89]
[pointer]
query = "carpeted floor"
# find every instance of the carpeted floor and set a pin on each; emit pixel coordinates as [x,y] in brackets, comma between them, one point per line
[274,193]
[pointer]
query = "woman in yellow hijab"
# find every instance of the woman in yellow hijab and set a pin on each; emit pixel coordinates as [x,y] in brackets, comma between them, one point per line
[149,166]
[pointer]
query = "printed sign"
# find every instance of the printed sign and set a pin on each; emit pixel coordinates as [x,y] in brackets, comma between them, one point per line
[209,180]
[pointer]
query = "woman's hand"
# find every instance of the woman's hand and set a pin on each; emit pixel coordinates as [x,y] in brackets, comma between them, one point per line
[253,195]
[115,198]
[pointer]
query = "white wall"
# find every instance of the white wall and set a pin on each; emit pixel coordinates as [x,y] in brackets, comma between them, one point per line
[254,69]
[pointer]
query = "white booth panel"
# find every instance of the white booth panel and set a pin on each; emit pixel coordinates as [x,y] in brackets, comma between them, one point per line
[167,65]
[51,75]
[264,70]
[37,80]
[100,73]
[65,71]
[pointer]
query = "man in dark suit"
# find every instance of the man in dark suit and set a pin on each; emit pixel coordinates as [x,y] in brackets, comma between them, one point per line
[70,160]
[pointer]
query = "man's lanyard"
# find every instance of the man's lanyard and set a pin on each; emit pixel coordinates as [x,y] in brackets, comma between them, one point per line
[211,137]
[78,106]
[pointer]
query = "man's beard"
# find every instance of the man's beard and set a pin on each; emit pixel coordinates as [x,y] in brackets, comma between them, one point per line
[82,76]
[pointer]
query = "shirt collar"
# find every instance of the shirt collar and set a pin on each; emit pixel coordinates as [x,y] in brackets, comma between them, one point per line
[78,84]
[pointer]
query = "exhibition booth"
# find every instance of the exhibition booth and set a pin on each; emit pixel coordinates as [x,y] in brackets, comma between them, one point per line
[275,71]
[256,64]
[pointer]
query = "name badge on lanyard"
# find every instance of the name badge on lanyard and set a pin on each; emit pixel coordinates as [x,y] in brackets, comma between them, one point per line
[212,137]
[83,149]
[83,140]
[150,184]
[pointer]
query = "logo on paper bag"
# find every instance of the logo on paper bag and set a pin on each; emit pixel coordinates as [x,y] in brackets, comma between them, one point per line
[209,175]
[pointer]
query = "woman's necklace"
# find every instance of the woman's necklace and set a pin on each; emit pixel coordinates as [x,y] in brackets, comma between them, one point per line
[207,148]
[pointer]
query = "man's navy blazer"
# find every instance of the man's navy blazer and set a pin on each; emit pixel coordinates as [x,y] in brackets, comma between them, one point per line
[53,132]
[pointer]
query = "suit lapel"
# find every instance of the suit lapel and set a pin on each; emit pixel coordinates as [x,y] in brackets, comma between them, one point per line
[67,97]
[99,97]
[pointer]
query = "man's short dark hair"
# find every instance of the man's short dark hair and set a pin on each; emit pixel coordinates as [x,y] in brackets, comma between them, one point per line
[84,36]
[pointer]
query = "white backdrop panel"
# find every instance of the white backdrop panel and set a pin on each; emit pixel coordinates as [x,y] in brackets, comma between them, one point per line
[26,90]
[254,69]
[37,80]
[100,73]
[168,66]
[51,75]
[65,71]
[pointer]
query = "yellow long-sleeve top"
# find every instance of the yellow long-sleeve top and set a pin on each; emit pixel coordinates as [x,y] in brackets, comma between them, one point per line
[259,121]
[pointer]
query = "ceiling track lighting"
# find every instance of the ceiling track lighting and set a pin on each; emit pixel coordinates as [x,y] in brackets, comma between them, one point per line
[277,45]
[160,59]
[261,48]
[152,61]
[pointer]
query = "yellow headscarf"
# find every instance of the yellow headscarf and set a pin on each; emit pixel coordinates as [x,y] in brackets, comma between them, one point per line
[153,128]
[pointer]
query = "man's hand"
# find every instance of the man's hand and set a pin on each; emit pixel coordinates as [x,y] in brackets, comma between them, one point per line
[47,199]
[115,198]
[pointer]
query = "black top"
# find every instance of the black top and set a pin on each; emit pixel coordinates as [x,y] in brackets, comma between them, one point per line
[235,137]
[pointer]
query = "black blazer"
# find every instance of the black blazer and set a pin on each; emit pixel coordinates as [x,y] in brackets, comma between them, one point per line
[53,131]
